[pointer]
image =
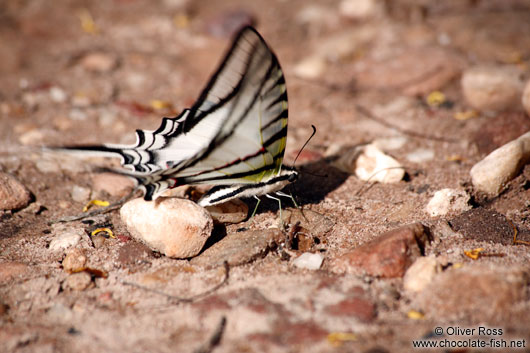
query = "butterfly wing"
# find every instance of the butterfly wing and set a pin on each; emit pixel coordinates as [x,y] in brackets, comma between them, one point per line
[234,134]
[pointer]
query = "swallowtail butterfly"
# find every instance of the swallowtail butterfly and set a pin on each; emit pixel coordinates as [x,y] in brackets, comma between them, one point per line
[233,137]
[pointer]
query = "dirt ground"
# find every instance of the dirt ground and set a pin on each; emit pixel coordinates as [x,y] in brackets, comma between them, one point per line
[92,72]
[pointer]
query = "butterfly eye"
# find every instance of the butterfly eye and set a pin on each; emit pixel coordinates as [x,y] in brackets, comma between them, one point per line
[293,177]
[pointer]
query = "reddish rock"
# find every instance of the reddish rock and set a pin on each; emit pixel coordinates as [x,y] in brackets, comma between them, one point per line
[474,293]
[133,253]
[504,128]
[361,308]
[387,256]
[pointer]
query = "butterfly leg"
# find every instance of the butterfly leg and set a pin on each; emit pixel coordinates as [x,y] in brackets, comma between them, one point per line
[280,205]
[255,208]
[280,193]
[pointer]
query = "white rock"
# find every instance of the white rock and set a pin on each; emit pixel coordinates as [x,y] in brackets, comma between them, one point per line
[68,238]
[309,261]
[32,137]
[420,155]
[175,227]
[500,166]
[57,94]
[79,193]
[420,273]
[447,200]
[492,88]
[360,9]
[99,62]
[374,165]
[390,143]
[311,67]
[526,97]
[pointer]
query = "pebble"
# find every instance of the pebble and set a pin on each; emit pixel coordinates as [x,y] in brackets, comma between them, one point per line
[57,94]
[75,260]
[387,256]
[308,261]
[526,97]
[492,88]
[233,211]
[311,67]
[448,201]
[374,165]
[361,9]
[491,174]
[358,307]
[420,155]
[238,248]
[99,62]
[47,166]
[31,137]
[79,193]
[390,143]
[67,238]
[475,293]
[113,184]
[421,273]
[13,194]
[78,281]
[175,227]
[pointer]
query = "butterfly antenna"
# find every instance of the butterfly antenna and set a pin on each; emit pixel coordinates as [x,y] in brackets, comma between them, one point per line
[305,144]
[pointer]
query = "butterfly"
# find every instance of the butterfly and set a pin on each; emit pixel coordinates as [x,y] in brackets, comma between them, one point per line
[233,137]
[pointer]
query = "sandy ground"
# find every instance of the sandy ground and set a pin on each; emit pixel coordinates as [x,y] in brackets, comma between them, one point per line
[81,72]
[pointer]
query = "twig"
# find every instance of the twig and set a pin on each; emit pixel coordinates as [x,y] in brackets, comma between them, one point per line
[98,211]
[412,133]
[183,299]
[215,338]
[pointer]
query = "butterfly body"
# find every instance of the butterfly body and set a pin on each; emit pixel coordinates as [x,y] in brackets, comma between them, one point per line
[233,137]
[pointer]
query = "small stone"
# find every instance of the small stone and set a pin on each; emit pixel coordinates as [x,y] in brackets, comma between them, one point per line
[374,165]
[233,211]
[361,9]
[99,62]
[311,67]
[113,184]
[238,248]
[309,261]
[13,195]
[98,241]
[492,88]
[57,94]
[390,143]
[66,239]
[491,174]
[175,227]
[47,166]
[448,201]
[526,98]
[78,281]
[75,260]
[420,155]
[387,256]
[474,293]
[421,273]
[32,137]
[80,194]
